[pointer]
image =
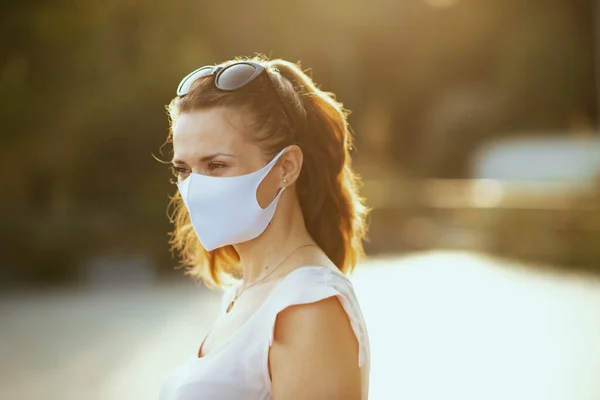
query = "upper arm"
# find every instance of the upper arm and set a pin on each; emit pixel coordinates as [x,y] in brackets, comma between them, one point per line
[314,354]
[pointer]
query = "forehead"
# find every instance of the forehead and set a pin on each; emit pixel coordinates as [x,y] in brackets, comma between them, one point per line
[211,130]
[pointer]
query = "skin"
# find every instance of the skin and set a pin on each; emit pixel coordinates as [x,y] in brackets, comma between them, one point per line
[315,352]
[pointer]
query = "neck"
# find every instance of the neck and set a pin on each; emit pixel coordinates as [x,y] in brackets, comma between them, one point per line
[283,235]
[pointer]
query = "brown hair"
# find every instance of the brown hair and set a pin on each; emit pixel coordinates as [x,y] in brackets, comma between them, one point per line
[289,109]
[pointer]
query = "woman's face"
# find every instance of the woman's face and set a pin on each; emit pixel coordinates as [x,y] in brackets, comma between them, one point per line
[217,142]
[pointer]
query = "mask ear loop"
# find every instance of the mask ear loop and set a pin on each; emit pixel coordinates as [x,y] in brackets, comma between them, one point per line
[267,168]
[264,172]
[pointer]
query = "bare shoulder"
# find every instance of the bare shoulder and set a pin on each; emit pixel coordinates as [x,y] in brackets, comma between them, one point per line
[315,353]
[319,320]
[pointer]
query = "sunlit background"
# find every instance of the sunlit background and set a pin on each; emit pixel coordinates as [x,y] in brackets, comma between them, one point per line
[476,125]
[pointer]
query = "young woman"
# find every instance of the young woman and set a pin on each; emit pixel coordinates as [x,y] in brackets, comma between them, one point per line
[267,193]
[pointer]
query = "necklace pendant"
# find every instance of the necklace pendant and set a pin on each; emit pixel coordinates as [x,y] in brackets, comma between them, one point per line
[230,306]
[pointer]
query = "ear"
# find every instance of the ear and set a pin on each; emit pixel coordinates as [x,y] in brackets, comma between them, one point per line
[290,164]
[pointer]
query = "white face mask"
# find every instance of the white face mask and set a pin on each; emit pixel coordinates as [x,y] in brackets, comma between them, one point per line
[224,210]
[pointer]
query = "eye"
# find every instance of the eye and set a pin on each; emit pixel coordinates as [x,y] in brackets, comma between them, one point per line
[213,166]
[179,172]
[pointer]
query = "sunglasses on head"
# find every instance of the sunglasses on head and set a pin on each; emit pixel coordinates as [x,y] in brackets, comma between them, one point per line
[228,78]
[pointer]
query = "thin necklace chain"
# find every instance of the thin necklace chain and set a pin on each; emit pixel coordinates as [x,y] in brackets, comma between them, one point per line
[266,275]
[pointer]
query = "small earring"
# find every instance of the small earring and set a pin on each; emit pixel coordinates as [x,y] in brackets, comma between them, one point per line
[284,181]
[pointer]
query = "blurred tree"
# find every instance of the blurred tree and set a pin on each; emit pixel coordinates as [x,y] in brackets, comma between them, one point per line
[83,87]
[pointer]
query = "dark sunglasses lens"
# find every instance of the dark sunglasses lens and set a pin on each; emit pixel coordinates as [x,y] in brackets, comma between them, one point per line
[186,83]
[235,76]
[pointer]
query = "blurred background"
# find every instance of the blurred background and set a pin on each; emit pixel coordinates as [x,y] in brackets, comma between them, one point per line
[476,124]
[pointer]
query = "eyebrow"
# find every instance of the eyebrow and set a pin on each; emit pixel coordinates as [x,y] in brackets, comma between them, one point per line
[203,159]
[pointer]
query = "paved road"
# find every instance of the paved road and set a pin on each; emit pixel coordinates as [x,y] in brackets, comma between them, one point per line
[442,326]
[466,327]
[100,344]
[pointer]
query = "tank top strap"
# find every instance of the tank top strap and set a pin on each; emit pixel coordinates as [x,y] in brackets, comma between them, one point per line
[310,284]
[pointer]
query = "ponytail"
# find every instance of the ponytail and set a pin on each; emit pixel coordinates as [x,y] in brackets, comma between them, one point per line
[334,213]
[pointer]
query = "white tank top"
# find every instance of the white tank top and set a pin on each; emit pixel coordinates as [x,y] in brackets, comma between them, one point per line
[239,369]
